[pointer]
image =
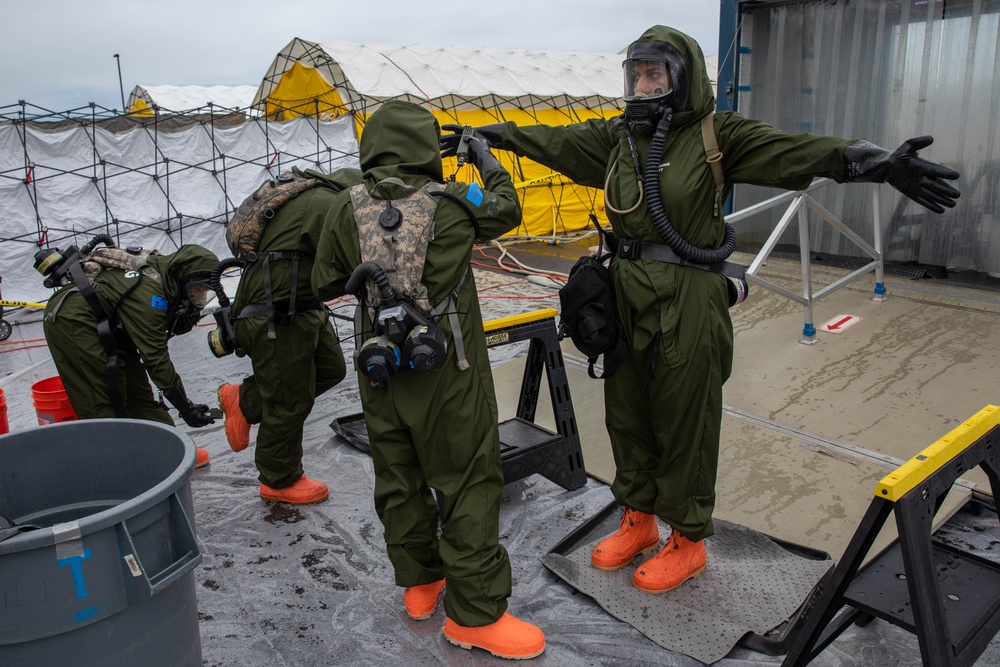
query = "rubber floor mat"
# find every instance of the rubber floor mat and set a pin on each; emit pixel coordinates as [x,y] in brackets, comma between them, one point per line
[751,586]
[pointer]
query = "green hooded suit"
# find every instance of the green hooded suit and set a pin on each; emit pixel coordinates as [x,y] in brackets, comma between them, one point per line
[664,403]
[304,358]
[143,309]
[433,430]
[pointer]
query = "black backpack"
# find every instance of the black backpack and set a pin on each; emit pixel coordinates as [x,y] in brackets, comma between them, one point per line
[587,314]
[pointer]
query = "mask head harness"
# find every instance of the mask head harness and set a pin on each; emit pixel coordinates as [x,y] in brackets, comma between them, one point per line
[403,335]
[655,80]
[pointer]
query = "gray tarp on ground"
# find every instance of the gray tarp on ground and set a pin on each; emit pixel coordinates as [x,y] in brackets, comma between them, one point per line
[311,586]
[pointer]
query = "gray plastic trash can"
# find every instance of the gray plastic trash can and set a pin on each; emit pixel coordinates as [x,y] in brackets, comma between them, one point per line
[108,577]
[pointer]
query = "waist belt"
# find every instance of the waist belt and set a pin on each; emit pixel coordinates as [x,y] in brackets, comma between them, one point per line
[635,249]
[280,312]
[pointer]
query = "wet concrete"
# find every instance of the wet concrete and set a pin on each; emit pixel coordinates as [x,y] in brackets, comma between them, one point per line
[310,586]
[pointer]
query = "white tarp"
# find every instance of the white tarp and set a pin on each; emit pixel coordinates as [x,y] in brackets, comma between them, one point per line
[379,71]
[184,98]
[384,71]
[152,194]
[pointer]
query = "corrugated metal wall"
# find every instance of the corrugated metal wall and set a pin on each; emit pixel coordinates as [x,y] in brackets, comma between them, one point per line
[884,71]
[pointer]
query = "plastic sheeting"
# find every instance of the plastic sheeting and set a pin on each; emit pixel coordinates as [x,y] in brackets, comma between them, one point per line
[185,98]
[144,186]
[884,71]
[311,586]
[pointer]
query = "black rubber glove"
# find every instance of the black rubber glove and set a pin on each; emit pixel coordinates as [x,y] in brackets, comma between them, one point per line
[488,133]
[921,180]
[194,415]
[480,155]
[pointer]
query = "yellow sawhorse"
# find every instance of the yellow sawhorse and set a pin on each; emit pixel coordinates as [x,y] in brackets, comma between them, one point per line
[948,598]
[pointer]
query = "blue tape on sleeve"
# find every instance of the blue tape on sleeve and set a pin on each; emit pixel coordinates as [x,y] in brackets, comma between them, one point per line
[159,302]
[475,194]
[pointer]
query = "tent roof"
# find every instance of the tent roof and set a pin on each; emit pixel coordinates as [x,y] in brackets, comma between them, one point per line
[384,70]
[185,98]
[381,71]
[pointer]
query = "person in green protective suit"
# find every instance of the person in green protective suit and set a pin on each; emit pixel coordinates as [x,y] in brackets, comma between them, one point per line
[435,429]
[293,347]
[143,309]
[664,402]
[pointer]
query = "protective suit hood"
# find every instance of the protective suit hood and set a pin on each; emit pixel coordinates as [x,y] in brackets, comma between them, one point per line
[700,98]
[188,260]
[400,139]
[342,179]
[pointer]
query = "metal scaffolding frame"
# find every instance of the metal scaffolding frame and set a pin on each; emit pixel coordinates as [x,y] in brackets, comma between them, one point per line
[800,203]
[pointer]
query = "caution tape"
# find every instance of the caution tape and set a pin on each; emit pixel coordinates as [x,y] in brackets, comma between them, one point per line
[21,304]
[535,181]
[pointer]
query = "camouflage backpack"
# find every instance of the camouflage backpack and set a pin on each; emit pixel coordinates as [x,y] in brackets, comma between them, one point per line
[245,229]
[400,252]
[127,259]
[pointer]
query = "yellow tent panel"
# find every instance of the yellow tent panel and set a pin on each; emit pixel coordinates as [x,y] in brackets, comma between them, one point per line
[461,87]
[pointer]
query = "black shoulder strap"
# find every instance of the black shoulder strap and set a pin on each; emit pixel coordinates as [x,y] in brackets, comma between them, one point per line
[458,200]
[104,333]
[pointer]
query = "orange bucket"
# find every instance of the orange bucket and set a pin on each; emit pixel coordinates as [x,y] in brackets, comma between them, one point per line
[4,424]
[51,402]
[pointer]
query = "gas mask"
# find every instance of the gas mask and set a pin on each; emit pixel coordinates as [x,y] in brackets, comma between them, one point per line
[405,337]
[196,291]
[655,80]
[222,339]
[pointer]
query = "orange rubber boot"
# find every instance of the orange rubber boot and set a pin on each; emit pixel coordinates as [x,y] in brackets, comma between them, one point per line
[638,534]
[237,427]
[201,457]
[680,559]
[507,637]
[302,492]
[421,601]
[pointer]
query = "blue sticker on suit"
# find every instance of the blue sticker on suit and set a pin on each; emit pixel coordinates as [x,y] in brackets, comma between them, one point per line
[159,303]
[475,194]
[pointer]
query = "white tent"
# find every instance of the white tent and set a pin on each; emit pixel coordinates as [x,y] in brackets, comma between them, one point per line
[445,78]
[460,86]
[185,98]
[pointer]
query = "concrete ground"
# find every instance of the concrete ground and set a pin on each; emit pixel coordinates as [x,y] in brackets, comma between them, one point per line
[808,431]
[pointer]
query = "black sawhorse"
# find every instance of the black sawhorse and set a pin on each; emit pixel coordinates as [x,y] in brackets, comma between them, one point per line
[525,447]
[948,598]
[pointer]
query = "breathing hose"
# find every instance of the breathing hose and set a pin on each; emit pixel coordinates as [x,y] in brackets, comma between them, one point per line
[92,243]
[651,179]
[371,271]
[215,280]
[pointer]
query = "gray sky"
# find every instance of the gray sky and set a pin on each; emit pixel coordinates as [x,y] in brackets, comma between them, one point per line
[58,54]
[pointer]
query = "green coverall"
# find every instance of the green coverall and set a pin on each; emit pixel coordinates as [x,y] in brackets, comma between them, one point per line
[433,430]
[143,312]
[664,403]
[304,359]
